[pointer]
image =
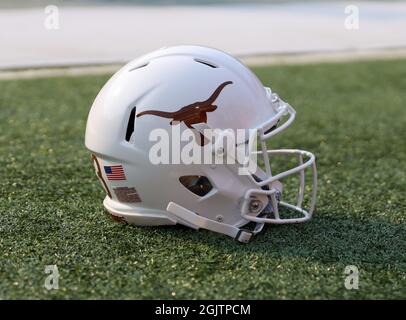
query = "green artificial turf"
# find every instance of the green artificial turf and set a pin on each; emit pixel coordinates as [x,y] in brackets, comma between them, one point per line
[352,116]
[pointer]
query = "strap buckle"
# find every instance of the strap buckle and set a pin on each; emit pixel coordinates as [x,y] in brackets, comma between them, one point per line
[243,235]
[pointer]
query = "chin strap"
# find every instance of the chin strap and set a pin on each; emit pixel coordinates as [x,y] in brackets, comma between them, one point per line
[195,221]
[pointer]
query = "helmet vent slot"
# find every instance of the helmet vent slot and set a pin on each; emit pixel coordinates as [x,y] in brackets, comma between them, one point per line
[199,185]
[139,67]
[209,64]
[272,128]
[130,125]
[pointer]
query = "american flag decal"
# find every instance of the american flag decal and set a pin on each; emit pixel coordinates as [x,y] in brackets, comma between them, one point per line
[125,194]
[115,172]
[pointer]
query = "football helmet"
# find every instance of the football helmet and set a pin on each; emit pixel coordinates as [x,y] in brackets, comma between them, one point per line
[209,96]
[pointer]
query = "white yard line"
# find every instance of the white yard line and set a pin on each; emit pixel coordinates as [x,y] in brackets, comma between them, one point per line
[325,57]
[253,60]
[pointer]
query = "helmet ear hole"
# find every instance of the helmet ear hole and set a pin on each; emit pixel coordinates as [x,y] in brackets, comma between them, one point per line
[199,185]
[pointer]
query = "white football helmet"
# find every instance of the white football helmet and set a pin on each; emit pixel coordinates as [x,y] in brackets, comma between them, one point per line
[192,89]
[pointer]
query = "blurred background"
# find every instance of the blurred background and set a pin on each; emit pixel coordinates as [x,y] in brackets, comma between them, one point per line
[350,115]
[41,33]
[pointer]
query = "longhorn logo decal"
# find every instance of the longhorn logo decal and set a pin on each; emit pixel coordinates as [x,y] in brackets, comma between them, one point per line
[191,114]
